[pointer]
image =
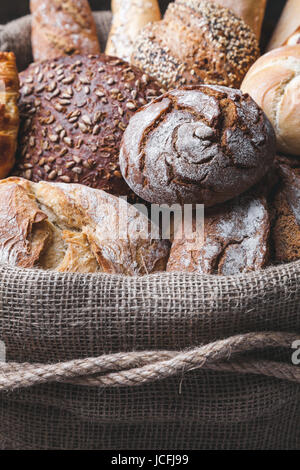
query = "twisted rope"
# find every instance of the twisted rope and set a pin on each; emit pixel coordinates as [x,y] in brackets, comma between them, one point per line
[137,368]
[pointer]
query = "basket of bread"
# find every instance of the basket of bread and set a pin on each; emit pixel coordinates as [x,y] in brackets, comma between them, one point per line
[116,332]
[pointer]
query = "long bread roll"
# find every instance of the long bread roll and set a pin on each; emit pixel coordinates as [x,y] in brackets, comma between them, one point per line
[287,25]
[274,83]
[129,17]
[62,27]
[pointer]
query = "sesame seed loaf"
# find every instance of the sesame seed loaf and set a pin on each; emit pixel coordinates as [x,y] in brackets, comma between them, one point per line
[201,144]
[73,228]
[129,17]
[74,111]
[196,42]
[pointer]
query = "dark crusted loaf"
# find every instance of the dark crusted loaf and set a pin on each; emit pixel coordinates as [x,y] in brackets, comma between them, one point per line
[196,41]
[286,212]
[203,144]
[74,112]
[236,239]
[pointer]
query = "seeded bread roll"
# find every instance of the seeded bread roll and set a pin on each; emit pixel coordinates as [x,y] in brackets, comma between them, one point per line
[197,41]
[235,239]
[202,144]
[72,228]
[251,11]
[74,111]
[274,83]
[9,113]
[129,17]
[62,27]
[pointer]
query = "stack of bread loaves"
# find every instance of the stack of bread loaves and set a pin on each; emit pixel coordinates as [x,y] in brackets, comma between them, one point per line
[160,119]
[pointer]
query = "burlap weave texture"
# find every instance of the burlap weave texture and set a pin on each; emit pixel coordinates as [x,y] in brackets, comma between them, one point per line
[51,318]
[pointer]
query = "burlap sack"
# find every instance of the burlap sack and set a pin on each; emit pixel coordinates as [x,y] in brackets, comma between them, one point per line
[168,361]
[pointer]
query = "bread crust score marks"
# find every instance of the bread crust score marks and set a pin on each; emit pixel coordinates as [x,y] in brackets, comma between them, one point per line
[73,114]
[286,214]
[236,236]
[73,228]
[204,144]
[62,27]
[9,112]
[196,42]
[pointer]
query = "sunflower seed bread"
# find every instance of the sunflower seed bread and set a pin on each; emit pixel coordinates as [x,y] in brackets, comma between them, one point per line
[74,111]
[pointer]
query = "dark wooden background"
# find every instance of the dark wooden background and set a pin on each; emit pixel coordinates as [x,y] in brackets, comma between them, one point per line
[10,9]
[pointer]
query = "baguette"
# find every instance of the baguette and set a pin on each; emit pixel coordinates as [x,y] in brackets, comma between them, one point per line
[129,17]
[62,27]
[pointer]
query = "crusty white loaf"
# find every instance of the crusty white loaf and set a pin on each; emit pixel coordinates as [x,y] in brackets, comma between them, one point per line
[274,83]
[73,228]
[129,17]
[288,23]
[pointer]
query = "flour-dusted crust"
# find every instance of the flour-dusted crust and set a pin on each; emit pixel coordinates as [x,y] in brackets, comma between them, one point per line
[74,111]
[62,27]
[236,239]
[73,228]
[9,113]
[204,144]
[197,41]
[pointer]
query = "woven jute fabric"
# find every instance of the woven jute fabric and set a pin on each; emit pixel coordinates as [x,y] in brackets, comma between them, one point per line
[167,361]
